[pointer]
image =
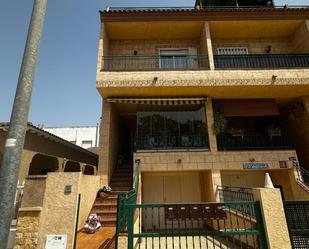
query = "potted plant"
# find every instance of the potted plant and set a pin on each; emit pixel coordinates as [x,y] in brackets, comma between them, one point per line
[220,123]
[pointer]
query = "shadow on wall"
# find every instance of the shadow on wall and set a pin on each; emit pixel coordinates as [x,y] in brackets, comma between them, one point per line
[42,164]
[72,166]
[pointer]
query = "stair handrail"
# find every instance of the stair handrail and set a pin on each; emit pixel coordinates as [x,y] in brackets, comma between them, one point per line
[123,200]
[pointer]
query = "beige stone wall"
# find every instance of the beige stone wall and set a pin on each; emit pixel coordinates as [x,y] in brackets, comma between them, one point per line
[59,209]
[300,38]
[255,46]
[88,187]
[148,47]
[27,231]
[202,160]
[34,190]
[276,230]
[139,81]
[109,136]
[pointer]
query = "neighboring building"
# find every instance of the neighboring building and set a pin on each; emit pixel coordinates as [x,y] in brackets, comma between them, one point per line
[43,154]
[84,136]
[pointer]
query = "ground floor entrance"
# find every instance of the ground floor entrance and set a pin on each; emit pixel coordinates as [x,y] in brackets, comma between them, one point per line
[176,187]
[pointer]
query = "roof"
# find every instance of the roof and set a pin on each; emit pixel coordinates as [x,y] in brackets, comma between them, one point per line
[208,13]
[33,129]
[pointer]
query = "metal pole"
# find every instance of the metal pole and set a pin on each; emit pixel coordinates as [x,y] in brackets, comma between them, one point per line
[18,124]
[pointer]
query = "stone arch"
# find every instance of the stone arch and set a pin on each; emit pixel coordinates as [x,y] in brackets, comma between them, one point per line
[71,166]
[89,170]
[42,164]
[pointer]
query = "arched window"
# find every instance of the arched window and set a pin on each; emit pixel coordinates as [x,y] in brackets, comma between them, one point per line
[71,166]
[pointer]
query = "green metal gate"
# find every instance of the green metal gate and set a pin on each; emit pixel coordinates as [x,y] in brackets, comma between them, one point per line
[202,225]
[297,217]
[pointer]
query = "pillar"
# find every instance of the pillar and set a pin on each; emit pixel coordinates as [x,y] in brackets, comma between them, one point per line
[275,225]
[208,43]
[103,166]
[216,181]
[210,125]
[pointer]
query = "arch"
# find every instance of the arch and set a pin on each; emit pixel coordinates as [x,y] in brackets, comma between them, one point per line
[72,166]
[88,170]
[42,164]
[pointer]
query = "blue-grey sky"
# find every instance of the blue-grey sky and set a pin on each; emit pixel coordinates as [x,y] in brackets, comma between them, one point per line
[64,92]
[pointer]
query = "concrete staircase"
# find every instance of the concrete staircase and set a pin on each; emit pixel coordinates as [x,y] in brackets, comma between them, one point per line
[106,207]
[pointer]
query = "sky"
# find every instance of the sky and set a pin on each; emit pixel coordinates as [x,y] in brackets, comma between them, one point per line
[64,92]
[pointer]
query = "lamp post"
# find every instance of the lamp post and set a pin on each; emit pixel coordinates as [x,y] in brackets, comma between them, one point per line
[18,123]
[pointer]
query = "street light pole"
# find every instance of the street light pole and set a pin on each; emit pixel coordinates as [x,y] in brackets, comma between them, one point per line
[18,124]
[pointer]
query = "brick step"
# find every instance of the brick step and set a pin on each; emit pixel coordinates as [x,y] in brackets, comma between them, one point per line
[122,189]
[108,223]
[104,204]
[112,199]
[121,179]
[107,215]
[120,184]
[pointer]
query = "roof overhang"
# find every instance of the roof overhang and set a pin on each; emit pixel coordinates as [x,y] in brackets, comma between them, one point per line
[209,14]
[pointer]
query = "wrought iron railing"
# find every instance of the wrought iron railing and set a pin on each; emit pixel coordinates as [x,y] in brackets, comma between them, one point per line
[227,194]
[297,217]
[257,141]
[170,142]
[261,61]
[142,63]
[303,175]
[199,225]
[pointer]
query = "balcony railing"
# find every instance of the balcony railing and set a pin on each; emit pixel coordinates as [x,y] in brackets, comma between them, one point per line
[257,141]
[142,63]
[261,61]
[171,142]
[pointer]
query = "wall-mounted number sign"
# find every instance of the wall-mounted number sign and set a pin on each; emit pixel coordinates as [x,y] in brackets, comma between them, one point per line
[255,166]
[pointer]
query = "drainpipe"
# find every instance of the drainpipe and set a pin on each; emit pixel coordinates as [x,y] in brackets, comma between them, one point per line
[18,124]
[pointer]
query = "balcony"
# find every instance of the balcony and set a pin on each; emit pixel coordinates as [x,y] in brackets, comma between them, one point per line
[154,63]
[171,142]
[261,61]
[252,141]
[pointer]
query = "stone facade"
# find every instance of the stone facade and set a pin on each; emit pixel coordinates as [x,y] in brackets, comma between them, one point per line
[27,232]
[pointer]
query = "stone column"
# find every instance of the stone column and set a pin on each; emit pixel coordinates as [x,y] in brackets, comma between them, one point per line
[275,225]
[210,125]
[103,165]
[216,181]
[209,46]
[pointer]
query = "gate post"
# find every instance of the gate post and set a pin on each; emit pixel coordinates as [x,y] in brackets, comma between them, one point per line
[272,210]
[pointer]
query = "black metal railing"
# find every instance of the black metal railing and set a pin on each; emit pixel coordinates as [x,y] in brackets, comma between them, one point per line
[227,193]
[297,217]
[257,141]
[236,194]
[166,142]
[261,61]
[303,175]
[141,63]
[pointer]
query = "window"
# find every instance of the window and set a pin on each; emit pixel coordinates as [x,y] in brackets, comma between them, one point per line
[87,144]
[171,129]
[233,51]
[178,58]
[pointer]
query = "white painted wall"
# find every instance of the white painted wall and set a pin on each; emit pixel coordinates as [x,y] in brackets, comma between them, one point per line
[84,136]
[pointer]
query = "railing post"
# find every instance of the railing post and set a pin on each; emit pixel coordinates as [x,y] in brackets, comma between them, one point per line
[130,226]
[260,226]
